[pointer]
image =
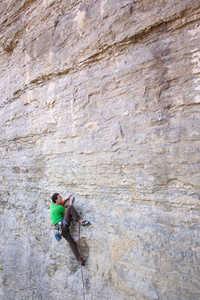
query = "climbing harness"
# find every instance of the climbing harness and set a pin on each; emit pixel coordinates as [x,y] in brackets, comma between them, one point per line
[65,223]
[58,230]
[81,264]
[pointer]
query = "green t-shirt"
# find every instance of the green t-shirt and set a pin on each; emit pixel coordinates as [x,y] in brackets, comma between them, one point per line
[57,213]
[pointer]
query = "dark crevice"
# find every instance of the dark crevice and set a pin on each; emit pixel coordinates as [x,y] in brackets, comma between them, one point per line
[26,5]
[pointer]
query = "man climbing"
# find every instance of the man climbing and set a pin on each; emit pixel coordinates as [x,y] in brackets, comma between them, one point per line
[66,215]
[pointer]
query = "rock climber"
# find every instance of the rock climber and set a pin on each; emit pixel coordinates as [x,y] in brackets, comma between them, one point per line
[64,215]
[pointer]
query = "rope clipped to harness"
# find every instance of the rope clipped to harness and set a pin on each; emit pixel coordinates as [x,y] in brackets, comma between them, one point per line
[81,264]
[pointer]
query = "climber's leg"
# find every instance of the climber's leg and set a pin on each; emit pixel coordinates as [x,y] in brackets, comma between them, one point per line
[73,246]
[71,213]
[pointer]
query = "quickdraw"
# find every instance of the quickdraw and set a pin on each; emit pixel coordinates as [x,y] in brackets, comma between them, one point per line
[58,231]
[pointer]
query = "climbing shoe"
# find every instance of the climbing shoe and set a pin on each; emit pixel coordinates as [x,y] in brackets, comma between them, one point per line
[85,223]
[83,263]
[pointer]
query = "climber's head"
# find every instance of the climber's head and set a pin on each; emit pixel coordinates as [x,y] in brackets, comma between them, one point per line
[56,198]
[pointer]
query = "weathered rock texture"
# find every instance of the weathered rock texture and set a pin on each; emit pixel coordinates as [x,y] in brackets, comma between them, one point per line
[101,99]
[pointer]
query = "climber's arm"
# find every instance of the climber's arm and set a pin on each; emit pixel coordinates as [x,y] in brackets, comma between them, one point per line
[67,198]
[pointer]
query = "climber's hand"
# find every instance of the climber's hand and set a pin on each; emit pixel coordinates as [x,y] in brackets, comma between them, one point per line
[68,197]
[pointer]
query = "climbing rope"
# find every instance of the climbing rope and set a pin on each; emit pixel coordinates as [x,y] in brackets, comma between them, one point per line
[81,264]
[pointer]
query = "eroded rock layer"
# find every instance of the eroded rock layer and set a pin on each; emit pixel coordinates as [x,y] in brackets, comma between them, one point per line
[101,99]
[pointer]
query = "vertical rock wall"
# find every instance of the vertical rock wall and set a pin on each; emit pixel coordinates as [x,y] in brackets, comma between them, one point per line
[101,99]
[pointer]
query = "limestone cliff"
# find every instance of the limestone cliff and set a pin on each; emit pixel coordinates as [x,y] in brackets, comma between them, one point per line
[101,99]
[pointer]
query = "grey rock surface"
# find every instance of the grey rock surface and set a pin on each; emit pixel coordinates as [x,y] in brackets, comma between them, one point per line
[100,99]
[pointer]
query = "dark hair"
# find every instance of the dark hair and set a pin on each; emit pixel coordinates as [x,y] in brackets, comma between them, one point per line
[54,197]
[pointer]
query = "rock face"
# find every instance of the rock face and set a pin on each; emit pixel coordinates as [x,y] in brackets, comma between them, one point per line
[101,99]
